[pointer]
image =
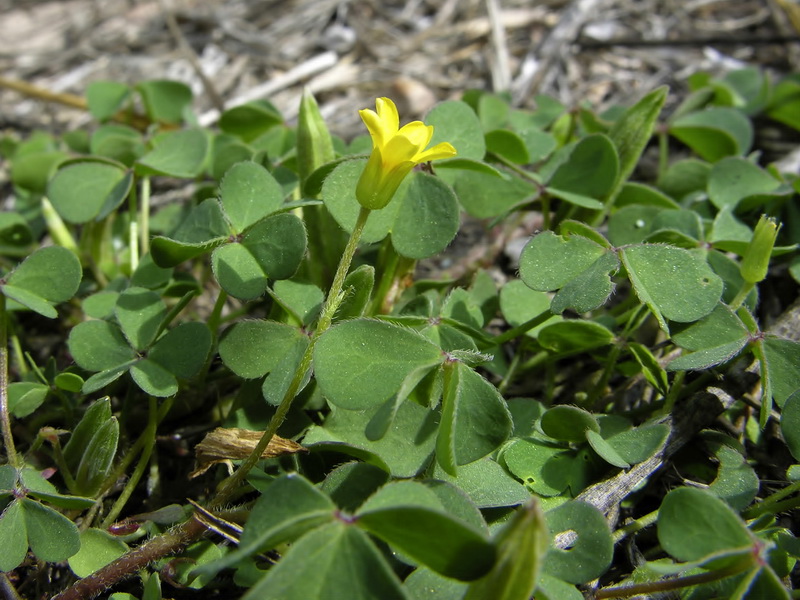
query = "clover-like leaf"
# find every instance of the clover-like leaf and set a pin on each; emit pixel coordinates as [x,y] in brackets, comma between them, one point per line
[432,537]
[733,179]
[98,548]
[165,100]
[51,536]
[335,560]
[250,120]
[140,313]
[475,419]
[568,423]
[509,145]
[782,357]
[455,122]
[575,263]
[88,189]
[589,173]
[714,133]
[590,554]
[183,349]
[404,451]
[292,507]
[544,467]
[48,276]
[694,524]
[252,349]
[484,195]
[249,193]
[674,283]
[176,154]
[14,231]
[375,354]
[99,345]
[790,423]
[271,249]
[105,98]
[427,218]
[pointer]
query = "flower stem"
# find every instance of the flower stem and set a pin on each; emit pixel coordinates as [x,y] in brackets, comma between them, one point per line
[332,302]
[5,417]
[185,533]
[742,295]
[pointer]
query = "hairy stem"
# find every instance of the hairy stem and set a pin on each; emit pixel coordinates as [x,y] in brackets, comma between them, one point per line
[523,328]
[138,558]
[772,504]
[332,303]
[665,585]
[179,537]
[5,416]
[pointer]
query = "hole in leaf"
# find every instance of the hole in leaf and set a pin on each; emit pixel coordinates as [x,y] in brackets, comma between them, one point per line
[565,540]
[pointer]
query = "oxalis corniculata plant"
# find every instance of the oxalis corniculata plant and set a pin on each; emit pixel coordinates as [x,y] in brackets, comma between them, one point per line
[362,434]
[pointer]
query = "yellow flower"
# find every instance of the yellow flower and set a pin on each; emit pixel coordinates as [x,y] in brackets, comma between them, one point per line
[395,151]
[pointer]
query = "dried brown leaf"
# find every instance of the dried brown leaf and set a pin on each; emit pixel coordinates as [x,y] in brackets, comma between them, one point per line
[226,444]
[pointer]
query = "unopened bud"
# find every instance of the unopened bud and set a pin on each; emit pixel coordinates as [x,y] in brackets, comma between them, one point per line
[314,143]
[756,258]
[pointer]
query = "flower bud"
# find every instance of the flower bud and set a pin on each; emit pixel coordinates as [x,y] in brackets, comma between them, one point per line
[314,143]
[756,258]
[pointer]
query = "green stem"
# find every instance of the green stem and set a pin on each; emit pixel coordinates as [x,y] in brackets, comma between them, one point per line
[214,321]
[19,356]
[133,451]
[149,439]
[771,503]
[512,369]
[740,297]
[674,391]
[663,152]
[611,364]
[388,260]
[522,329]
[665,585]
[133,228]
[757,348]
[332,302]
[5,416]
[55,225]
[634,526]
[144,220]
[634,319]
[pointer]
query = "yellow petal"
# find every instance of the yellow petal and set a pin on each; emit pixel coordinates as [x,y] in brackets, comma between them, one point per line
[387,111]
[375,127]
[417,133]
[398,150]
[441,150]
